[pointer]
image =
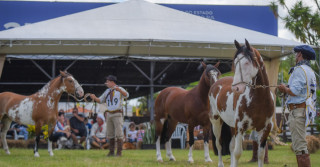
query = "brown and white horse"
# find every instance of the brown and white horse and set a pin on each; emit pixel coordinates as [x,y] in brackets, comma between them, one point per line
[175,105]
[38,109]
[239,104]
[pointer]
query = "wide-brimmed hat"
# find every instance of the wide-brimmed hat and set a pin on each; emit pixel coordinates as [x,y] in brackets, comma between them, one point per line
[306,50]
[111,78]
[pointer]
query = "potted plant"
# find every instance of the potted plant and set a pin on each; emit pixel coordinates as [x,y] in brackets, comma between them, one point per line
[149,136]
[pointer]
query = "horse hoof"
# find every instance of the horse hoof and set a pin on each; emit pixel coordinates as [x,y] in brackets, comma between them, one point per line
[208,160]
[36,154]
[51,154]
[172,159]
[160,160]
[8,152]
[191,161]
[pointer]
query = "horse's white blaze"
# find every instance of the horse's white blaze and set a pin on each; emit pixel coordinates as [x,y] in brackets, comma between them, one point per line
[214,75]
[77,87]
[22,112]
[247,72]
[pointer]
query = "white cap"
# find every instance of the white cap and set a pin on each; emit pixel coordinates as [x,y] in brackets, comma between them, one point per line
[101,116]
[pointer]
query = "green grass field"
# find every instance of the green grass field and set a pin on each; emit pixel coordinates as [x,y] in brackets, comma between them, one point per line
[281,156]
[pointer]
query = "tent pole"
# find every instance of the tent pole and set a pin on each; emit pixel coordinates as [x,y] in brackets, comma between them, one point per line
[151,101]
[41,69]
[53,68]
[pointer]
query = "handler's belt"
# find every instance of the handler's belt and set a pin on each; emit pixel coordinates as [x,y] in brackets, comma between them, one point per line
[295,106]
[115,111]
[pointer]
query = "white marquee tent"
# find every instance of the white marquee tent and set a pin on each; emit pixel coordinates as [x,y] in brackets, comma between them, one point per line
[139,28]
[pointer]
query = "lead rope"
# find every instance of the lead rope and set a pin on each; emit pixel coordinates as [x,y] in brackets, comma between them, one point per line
[83,99]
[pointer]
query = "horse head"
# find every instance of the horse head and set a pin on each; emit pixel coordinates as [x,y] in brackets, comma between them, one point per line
[247,63]
[212,73]
[71,85]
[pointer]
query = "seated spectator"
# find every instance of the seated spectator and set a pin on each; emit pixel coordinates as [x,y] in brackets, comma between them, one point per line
[61,132]
[98,135]
[78,128]
[86,122]
[11,129]
[132,133]
[21,130]
[140,133]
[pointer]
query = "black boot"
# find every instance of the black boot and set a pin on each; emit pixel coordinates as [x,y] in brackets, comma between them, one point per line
[119,145]
[303,160]
[111,148]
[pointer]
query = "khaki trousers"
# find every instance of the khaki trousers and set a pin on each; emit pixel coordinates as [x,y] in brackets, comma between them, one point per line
[115,126]
[297,119]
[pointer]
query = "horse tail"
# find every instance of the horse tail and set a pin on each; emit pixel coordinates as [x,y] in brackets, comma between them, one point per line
[225,138]
[164,132]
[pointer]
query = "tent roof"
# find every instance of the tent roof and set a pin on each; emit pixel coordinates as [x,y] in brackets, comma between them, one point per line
[137,28]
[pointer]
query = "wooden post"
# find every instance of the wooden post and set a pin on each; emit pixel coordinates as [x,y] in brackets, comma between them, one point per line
[272,68]
[2,59]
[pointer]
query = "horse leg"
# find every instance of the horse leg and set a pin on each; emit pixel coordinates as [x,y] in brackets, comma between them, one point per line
[171,128]
[216,128]
[159,127]
[238,148]
[263,135]
[38,131]
[191,142]
[50,130]
[206,132]
[6,125]
[231,148]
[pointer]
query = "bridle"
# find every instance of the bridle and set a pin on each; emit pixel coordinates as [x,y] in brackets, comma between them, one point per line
[253,86]
[76,87]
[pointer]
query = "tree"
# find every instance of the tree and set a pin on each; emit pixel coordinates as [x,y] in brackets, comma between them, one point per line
[301,20]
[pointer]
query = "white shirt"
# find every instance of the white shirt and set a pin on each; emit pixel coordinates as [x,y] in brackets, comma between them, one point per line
[100,132]
[116,103]
[133,134]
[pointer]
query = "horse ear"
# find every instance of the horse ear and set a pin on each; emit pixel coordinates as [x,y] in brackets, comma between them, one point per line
[236,43]
[63,73]
[204,65]
[217,64]
[248,45]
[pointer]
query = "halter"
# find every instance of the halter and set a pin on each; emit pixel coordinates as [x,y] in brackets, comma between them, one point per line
[253,86]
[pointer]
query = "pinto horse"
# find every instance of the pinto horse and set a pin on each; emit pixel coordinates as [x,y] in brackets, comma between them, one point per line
[243,102]
[175,105]
[38,109]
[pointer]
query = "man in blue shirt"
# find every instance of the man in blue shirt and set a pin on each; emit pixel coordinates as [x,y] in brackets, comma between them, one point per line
[301,86]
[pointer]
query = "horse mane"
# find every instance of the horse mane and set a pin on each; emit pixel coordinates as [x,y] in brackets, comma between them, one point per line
[51,81]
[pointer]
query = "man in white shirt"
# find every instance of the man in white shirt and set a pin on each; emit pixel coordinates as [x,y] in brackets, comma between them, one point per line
[98,135]
[113,97]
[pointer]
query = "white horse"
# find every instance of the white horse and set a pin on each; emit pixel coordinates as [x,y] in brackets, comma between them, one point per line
[243,102]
